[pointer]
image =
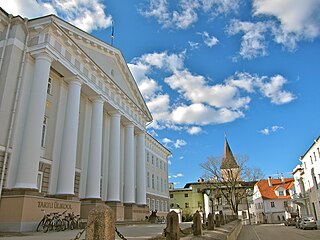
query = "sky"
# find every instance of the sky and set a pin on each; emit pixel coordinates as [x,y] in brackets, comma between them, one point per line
[247,69]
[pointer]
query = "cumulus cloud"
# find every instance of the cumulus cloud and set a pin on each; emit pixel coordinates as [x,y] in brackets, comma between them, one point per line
[176,175]
[194,45]
[269,130]
[171,143]
[253,43]
[185,13]
[208,40]
[87,15]
[195,100]
[194,130]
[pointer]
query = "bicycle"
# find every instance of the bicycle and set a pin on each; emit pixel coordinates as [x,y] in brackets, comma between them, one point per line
[54,223]
[41,224]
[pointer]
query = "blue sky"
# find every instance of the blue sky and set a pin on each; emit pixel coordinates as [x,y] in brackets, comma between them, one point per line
[249,69]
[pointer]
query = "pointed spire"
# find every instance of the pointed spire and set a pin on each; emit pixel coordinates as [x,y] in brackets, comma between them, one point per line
[228,160]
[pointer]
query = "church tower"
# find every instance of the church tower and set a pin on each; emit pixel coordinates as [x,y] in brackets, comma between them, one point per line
[229,168]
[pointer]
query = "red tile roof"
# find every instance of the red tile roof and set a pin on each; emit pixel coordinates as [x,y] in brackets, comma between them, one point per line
[268,192]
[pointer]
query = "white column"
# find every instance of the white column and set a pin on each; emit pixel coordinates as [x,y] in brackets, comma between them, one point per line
[69,140]
[27,171]
[114,159]
[129,170]
[95,150]
[141,169]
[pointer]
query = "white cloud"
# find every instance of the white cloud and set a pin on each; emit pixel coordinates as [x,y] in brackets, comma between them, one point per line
[176,175]
[253,43]
[185,13]
[209,41]
[194,130]
[273,89]
[193,45]
[87,15]
[194,100]
[181,157]
[179,143]
[269,130]
[296,16]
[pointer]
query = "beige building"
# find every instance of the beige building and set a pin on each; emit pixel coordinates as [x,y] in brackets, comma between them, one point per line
[307,182]
[73,126]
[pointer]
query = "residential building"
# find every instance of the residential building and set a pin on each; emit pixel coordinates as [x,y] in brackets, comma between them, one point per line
[307,181]
[73,126]
[272,199]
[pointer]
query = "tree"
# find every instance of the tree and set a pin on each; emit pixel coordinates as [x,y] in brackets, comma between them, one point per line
[230,179]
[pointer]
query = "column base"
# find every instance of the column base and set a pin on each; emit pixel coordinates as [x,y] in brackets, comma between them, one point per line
[118,209]
[22,209]
[134,212]
[87,204]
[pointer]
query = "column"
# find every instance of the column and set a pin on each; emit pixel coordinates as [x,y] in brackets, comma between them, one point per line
[129,169]
[95,150]
[114,159]
[141,169]
[69,141]
[27,171]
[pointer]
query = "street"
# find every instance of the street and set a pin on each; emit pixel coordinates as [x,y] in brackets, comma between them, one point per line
[276,232]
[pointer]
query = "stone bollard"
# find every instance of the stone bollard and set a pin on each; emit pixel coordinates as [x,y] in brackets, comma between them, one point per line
[218,220]
[197,225]
[211,221]
[172,230]
[101,224]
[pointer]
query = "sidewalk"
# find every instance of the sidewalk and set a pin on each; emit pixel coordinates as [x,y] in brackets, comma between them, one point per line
[131,232]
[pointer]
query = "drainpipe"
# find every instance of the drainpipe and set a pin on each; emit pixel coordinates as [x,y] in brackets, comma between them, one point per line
[16,100]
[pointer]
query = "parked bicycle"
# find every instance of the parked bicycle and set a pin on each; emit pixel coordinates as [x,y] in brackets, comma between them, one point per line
[42,222]
[54,222]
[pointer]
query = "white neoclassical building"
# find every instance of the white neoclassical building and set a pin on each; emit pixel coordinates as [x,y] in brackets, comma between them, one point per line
[72,125]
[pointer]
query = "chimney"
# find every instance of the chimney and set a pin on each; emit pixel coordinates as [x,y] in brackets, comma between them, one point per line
[269,181]
[282,179]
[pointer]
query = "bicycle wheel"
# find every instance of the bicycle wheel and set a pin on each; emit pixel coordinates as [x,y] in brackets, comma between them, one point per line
[40,225]
[72,224]
[47,225]
[58,225]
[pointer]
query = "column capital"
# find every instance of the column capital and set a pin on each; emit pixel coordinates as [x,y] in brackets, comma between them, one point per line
[115,112]
[97,98]
[45,55]
[128,124]
[74,80]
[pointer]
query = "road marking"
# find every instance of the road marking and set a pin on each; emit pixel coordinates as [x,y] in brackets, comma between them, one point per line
[256,233]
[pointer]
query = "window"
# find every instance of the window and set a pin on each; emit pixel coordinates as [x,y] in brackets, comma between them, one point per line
[49,88]
[148,157]
[148,202]
[165,206]
[157,162]
[161,206]
[311,159]
[152,160]
[152,183]
[157,183]
[152,205]
[285,204]
[157,205]
[171,195]
[160,164]
[318,152]
[272,204]
[39,181]
[165,185]
[315,157]
[315,181]
[161,185]
[44,132]
[186,195]
[305,165]
[281,193]
[186,205]
[148,179]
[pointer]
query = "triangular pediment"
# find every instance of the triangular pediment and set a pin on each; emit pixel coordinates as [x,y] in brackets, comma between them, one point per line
[105,57]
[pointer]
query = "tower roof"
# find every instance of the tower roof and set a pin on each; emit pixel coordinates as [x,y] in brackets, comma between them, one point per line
[228,160]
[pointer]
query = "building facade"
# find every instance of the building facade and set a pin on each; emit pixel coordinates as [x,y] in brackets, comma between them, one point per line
[157,176]
[272,200]
[73,125]
[307,181]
